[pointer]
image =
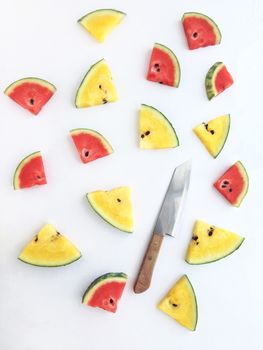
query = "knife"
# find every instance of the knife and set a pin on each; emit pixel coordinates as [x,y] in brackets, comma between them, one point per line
[169,213]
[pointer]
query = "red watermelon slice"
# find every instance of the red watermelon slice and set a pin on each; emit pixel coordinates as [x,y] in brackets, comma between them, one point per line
[233,184]
[164,67]
[90,144]
[200,30]
[31,93]
[30,172]
[105,291]
[217,80]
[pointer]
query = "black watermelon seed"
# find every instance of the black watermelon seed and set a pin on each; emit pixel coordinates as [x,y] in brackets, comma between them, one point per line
[223,186]
[212,132]
[197,243]
[195,35]
[119,200]
[175,305]
[195,238]
[100,86]
[226,182]
[210,231]
[86,153]
[158,69]
[156,65]
[38,177]
[147,133]
[160,82]
[111,301]
[206,126]
[31,101]
[230,190]
[36,239]
[104,100]
[142,136]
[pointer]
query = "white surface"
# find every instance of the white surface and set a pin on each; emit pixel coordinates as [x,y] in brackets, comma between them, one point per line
[40,309]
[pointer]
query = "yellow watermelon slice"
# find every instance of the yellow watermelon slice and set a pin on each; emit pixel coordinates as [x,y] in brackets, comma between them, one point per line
[180,303]
[49,248]
[100,23]
[210,243]
[155,129]
[96,88]
[114,206]
[213,134]
[106,291]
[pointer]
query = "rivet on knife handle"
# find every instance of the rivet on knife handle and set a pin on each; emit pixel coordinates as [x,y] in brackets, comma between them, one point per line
[145,274]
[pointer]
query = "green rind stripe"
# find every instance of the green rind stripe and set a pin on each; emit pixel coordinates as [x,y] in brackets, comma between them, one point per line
[20,166]
[211,22]
[95,133]
[39,81]
[101,10]
[85,78]
[58,265]
[196,306]
[102,215]
[103,280]
[164,118]
[220,258]
[244,174]
[210,80]
[176,63]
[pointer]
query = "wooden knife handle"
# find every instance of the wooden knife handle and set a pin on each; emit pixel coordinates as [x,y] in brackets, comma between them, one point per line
[146,270]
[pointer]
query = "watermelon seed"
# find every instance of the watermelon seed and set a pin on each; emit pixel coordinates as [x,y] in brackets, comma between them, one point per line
[100,86]
[119,200]
[142,136]
[226,182]
[147,133]
[38,177]
[86,153]
[160,82]
[195,238]
[31,101]
[211,231]
[104,100]
[111,301]
[195,35]
[212,132]
[223,186]
[175,305]
[36,239]
[230,190]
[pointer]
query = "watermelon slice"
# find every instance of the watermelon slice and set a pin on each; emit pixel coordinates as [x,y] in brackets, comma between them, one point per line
[114,206]
[49,248]
[31,93]
[30,172]
[180,303]
[217,80]
[210,243]
[100,23]
[155,129]
[200,30]
[106,291]
[213,134]
[90,144]
[233,184]
[96,88]
[164,67]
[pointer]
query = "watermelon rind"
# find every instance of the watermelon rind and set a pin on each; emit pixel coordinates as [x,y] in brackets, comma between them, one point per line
[175,62]
[209,20]
[245,176]
[20,166]
[35,80]
[95,133]
[106,11]
[101,281]
[169,124]
[210,80]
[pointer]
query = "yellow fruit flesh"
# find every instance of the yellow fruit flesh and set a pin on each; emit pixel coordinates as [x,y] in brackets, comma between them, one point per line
[100,23]
[213,135]
[180,303]
[210,243]
[155,130]
[114,206]
[49,248]
[97,87]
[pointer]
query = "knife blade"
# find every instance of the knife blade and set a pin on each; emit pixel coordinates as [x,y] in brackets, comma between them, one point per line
[168,217]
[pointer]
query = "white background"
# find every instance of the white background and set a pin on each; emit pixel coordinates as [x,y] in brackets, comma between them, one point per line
[40,309]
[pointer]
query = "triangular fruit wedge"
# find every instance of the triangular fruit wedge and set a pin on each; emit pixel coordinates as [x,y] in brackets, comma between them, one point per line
[200,30]
[30,172]
[164,67]
[106,291]
[96,88]
[180,303]
[233,184]
[114,206]
[90,144]
[213,134]
[49,248]
[217,80]
[155,129]
[31,93]
[210,243]
[100,23]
